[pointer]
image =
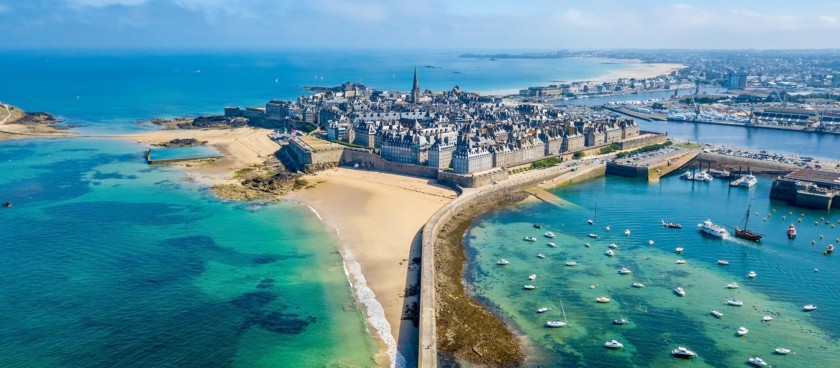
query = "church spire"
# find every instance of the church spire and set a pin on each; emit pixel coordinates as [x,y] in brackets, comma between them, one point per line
[415,89]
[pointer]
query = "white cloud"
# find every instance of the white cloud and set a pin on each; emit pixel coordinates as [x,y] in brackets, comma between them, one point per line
[364,11]
[104,3]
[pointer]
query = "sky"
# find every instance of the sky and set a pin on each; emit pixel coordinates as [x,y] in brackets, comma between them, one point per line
[430,24]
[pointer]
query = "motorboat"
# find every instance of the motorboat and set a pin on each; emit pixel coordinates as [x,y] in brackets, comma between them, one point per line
[529,239]
[809,307]
[7,204]
[555,324]
[609,253]
[742,331]
[679,291]
[791,231]
[613,245]
[703,176]
[593,235]
[549,234]
[627,232]
[752,274]
[587,245]
[540,255]
[614,344]
[551,244]
[681,352]
[723,262]
[502,262]
[607,228]
[537,226]
[680,261]
[687,176]
[571,263]
[620,321]
[650,242]
[532,277]
[829,249]
[782,351]
[679,250]
[756,361]
[749,181]
[638,285]
[602,299]
[542,310]
[708,227]
[624,271]
[732,285]
[734,302]
[766,318]
[590,222]
[529,287]
[716,313]
[671,225]
[723,173]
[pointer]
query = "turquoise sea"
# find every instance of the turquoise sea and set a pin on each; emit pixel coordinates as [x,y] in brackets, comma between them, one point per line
[791,274]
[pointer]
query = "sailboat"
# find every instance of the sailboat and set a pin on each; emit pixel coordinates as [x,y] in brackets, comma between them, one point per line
[747,234]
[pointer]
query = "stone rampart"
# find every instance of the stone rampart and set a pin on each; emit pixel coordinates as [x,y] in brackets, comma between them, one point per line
[370,161]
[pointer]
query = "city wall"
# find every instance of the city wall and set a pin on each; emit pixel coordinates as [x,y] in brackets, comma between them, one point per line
[646,139]
[370,161]
[428,336]
[473,180]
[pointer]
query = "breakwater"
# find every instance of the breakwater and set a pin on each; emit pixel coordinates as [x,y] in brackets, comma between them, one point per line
[428,339]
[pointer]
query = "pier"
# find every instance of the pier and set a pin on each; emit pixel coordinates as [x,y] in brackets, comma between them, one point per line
[819,189]
[652,167]
[550,198]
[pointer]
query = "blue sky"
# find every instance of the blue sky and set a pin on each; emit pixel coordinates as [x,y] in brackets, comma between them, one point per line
[486,24]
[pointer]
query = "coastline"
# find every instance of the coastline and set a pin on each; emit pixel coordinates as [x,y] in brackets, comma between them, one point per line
[381,240]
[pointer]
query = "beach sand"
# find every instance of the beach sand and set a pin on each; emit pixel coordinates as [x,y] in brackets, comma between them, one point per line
[379,218]
[240,147]
[637,70]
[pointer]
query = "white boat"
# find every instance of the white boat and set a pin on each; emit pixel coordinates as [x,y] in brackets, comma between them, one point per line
[716,313]
[703,176]
[540,255]
[620,321]
[529,238]
[679,291]
[734,302]
[650,242]
[723,262]
[749,181]
[624,271]
[679,250]
[555,324]
[714,230]
[542,310]
[742,331]
[782,351]
[571,263]
[590,222]
[593,235]
[613,245]
[609,253]
[587,245]
[752,274]
[532,277]
[614,344]
[680,261]
[549,234]
[682,352]
[503,262]
[607,228]
[627,232]
[809,307]
[732,285]
[687,176]
[638,285]
[766,318]
[756,361]
[602,299]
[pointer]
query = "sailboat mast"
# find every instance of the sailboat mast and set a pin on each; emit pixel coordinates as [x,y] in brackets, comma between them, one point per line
[564,312]
[747,219]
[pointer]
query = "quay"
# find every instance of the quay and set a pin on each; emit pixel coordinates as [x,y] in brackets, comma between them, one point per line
[653,166]
[819,189]
[637,114]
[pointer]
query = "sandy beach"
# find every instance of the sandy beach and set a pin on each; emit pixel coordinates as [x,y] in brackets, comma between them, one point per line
[240,146]
[638,70]
[369,211]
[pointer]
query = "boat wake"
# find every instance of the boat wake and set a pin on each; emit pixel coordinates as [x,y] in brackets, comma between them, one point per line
[375,314]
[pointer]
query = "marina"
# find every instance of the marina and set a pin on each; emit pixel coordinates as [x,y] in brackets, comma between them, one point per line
[780,264]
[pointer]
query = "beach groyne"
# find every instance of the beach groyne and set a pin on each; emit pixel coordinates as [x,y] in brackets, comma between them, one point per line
[470,198]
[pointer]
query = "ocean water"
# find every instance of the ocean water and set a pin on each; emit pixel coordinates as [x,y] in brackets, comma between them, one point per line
[107,261]
[106,88]
[791,274]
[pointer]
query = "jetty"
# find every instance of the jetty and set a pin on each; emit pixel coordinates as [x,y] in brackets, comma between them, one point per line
[549,197]
[819,189]
[653,166]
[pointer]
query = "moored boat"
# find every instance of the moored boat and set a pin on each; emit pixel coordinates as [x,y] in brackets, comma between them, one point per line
[650,242]
[734,302]
[555,324]
[752,274]
[571,263]
[680,261]
[766,318]
[809,307]
[620,321]
[782,351]
[627,232]
[602,299]
[671,225]
[607,228]
[540,255]
[681,352]
[529,287]
[732,285]
[549,234]
[723,262]
[756,361]
[638,285]
[529,239]
[609,253]
[679,250]
[614,344]
[551,244]
[716,313]
[624,271]
[613,246]
[533,276]
[742,331]
[749,181]
[542,310]
[537,226]
[679,291]
[593,235]
[829,249]
[502,262]
[791,232]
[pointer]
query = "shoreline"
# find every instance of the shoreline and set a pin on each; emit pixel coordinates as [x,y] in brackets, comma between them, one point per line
[380,244]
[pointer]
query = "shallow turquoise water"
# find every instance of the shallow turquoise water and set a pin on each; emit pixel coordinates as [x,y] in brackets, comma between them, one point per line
[107,261]
[659,320]
[174,153]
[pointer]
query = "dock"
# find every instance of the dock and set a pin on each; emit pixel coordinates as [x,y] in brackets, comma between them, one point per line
[652,167]
[550,198]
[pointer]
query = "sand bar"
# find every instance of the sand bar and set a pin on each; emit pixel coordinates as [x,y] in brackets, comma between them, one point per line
[379,218]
